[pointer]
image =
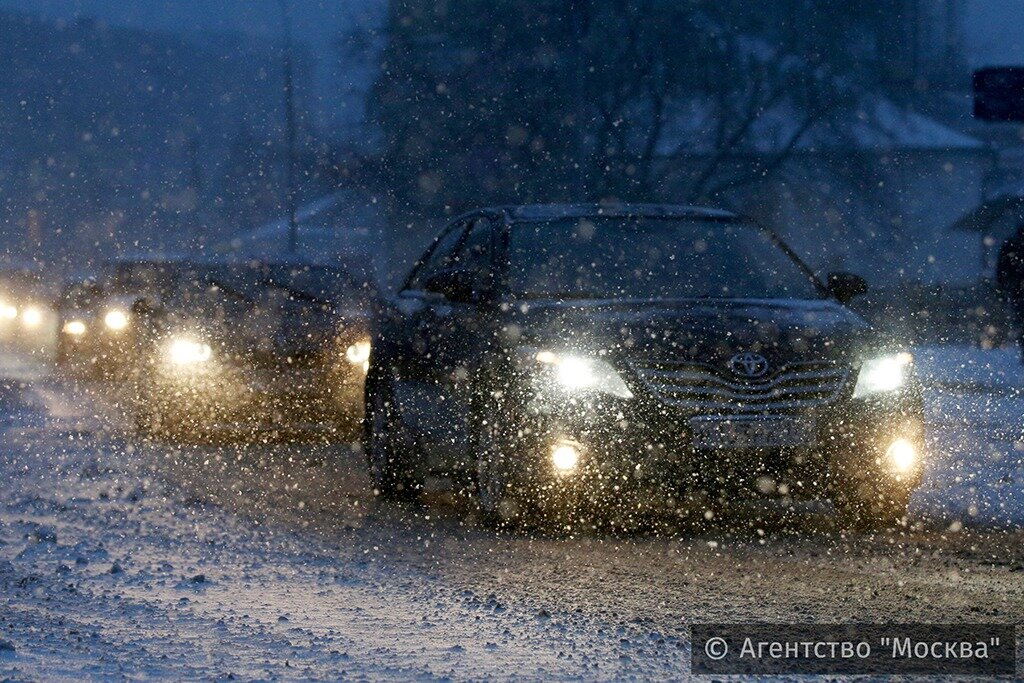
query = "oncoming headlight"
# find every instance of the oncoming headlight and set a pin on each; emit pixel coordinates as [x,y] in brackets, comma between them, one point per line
[32,317]
[359,354]
[116,319]
[184,351]
[574,373]
[7,311]
[74,327]
[883,374]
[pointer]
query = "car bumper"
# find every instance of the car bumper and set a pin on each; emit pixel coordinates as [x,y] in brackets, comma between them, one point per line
[626,442]
[110,353]
[227,395]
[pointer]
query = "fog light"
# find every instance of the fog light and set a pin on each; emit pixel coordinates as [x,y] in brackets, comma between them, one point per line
[359,354]
[565,457]
[116,320]
[902,455]
[74,327]
[189,352]
[8,312]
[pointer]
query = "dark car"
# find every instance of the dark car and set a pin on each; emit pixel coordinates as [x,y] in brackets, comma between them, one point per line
[256,344]
[569,359]
[99,321]
[26,316]
[77,322]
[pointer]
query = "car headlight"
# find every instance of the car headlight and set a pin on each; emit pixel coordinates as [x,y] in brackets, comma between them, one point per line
[7,311]
[883,374]
[74,327]
[184,351]
[116,319]
[32,317]
[359,354]
[577,374]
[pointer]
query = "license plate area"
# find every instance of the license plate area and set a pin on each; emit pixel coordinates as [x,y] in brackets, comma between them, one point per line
[287,380]
[752,433]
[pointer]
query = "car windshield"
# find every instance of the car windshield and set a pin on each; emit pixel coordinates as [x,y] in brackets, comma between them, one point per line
[651,258]
[249,284]
[80,295]
[309,283]
[128,278]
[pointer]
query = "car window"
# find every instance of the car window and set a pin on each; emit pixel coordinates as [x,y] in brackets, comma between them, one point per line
[129,278]
[475,251]
[440,257]
[652,258]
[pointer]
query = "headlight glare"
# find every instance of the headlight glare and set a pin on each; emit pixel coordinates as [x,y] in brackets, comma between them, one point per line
[883,374]
[576,373]
[116,319]
[580,373]
[188,352]
[565,457]
[902,456]
[32,317]
[74,327]
[7,311]
[358,353]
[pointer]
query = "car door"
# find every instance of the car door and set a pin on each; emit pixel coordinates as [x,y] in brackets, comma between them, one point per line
[457,335]
[405,336]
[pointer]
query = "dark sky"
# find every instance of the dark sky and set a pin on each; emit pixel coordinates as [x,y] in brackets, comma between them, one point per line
[315,20]
[317,23]
[995,29]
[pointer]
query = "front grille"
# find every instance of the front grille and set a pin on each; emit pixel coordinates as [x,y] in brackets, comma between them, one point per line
[700,386]
[283,361]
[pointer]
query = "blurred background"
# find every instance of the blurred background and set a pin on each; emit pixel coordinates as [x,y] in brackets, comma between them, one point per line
[162,127]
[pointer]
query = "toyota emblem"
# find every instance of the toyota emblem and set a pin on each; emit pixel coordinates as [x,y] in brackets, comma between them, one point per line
[749,364]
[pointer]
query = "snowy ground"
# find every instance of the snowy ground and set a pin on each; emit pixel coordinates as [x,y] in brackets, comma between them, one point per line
[120,560]
[976,432]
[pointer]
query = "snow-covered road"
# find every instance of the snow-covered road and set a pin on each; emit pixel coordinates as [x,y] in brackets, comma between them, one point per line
[127,560]
[975,404]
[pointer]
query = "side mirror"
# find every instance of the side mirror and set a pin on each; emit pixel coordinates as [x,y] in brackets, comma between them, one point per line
[460,285]
[845,286]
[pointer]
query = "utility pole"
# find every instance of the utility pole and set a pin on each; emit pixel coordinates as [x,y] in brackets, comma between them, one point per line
[579,26]
[290,125]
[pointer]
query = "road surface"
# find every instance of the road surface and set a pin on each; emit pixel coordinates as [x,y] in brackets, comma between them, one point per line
[272,561]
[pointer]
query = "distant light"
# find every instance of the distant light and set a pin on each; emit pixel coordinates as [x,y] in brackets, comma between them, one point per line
[74,327]
[116,319]
[32,317]
[547,357]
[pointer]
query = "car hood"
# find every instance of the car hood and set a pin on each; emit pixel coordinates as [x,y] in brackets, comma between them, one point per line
[705,331]
[291,332]
[123,302]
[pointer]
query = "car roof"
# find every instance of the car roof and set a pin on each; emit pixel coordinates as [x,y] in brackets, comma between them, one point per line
[119,264]
[236,265]
[213,261]
[541,212]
